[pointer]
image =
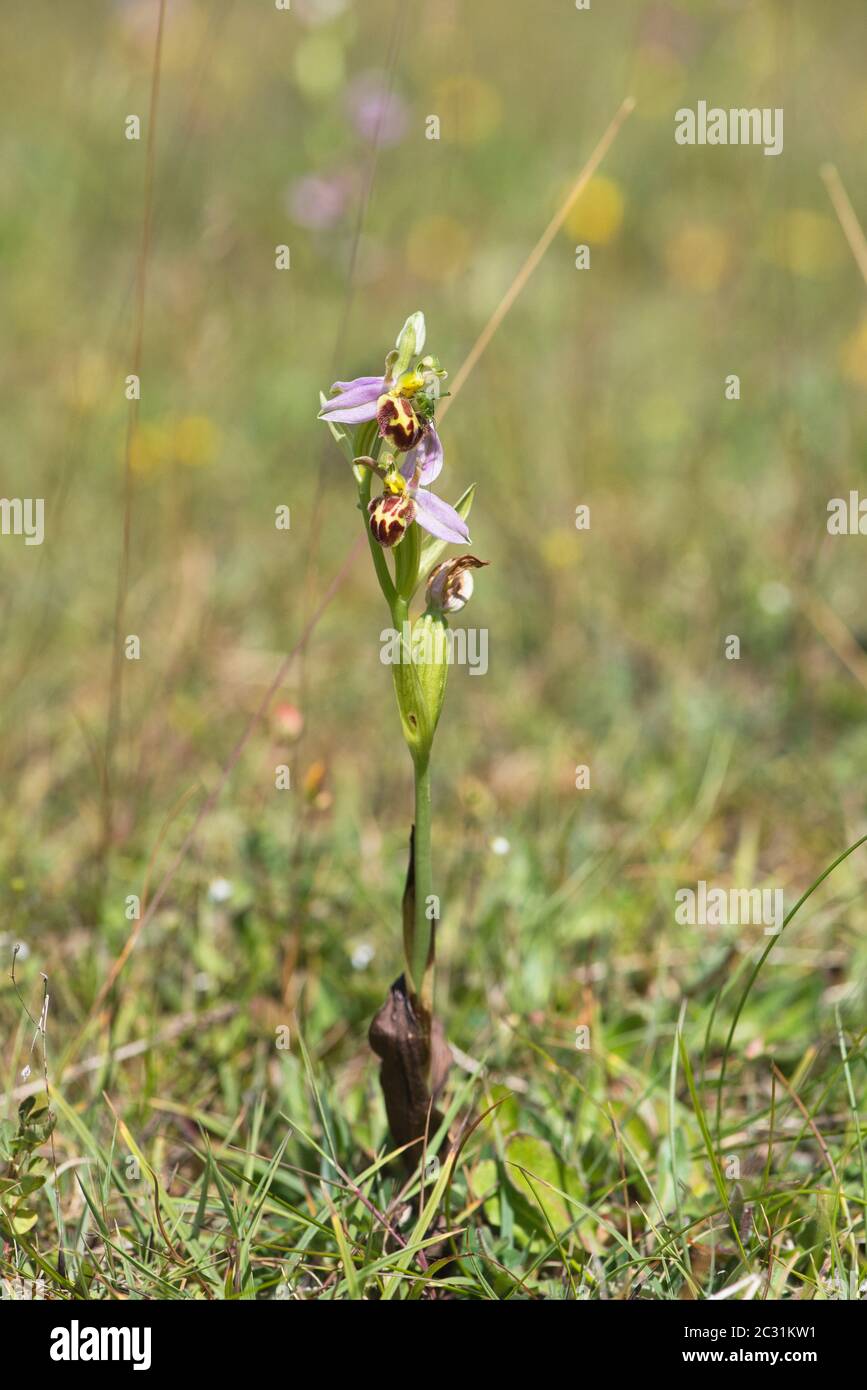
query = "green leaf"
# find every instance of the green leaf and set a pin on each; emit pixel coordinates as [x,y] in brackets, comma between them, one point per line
[31,1182]
[432,547]
[23,1221]
[673,1168]
[485,1185]
[38,1132]
[533,1170]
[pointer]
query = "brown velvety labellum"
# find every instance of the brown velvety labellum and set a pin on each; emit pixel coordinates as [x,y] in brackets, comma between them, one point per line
[390,517]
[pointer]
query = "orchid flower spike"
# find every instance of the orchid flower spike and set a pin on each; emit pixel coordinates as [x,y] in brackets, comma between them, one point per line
[403,404]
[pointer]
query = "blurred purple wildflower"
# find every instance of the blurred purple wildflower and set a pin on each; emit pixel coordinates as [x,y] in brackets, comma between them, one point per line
[378,115]
[318,200]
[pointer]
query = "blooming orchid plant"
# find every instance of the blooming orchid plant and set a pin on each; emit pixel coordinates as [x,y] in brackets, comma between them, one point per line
[386,426]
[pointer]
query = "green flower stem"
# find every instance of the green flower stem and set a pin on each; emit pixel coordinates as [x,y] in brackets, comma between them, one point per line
[407,556]
[422,976]
[376,551]
[397,596]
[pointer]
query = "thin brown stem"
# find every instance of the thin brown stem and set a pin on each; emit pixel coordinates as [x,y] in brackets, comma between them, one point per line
[117,656]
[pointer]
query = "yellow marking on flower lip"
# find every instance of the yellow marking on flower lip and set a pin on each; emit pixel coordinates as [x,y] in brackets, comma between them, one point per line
[409,383]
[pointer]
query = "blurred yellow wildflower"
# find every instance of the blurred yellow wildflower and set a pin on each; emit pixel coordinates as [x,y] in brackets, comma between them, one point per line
[194,441]
[853,355]
[560,549]
[804,242]
[191,441]
[597,215]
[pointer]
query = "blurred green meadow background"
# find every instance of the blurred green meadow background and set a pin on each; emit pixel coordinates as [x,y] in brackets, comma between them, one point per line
[604,387]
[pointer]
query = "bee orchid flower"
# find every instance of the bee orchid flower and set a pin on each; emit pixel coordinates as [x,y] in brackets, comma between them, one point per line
[405,500]
[401,401]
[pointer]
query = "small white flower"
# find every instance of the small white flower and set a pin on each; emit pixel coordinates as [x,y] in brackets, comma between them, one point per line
[362,956]
[220,891]
[500,845]
[25,1073]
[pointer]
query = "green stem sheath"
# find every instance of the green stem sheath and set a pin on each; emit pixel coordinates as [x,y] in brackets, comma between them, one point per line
[422,978]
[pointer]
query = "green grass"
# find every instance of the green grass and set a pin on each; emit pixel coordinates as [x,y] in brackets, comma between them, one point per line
[217,1164]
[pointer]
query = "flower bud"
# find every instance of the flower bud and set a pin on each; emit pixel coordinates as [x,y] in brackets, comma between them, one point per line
[410,341]
[450,585]
[398,422]
[391,516]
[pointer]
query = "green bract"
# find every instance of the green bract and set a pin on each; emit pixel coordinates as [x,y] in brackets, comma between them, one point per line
[420,676]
